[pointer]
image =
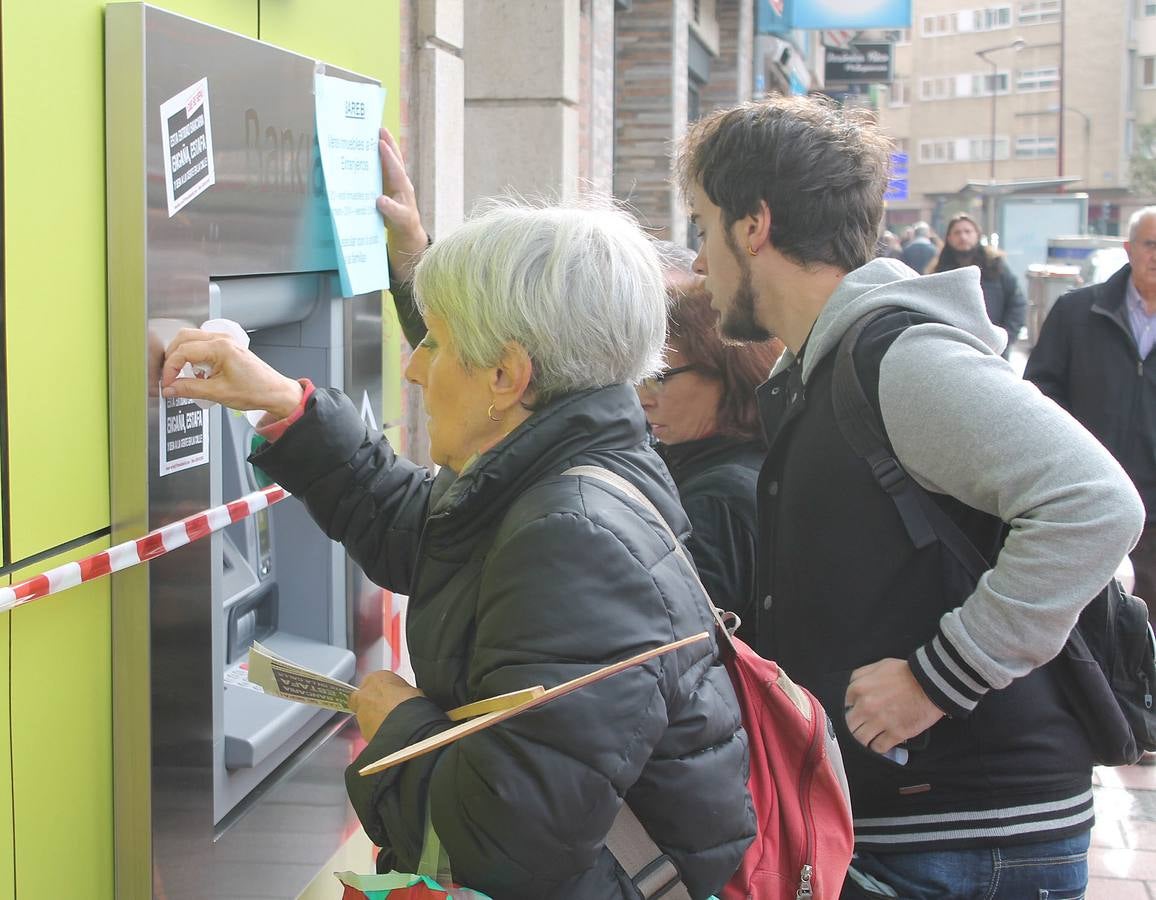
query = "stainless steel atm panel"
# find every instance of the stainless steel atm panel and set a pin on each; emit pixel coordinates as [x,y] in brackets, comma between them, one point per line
[230,793]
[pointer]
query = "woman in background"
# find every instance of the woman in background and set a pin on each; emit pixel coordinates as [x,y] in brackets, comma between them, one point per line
[703,415]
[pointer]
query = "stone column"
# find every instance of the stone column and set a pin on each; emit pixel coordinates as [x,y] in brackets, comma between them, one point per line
[522,94]
[432,141]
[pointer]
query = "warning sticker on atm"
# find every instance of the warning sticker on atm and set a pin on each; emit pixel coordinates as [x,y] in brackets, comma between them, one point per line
[184,437]
[187,142]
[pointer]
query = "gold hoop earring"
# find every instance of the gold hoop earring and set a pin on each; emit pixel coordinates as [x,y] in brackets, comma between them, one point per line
[490,413]
[752,251]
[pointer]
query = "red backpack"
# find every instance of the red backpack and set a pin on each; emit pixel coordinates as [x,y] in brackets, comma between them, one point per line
[798,787]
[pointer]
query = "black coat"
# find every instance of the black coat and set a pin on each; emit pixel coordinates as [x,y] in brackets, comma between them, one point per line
[1087,360]
[517,576]
[1006,305]
[717,479]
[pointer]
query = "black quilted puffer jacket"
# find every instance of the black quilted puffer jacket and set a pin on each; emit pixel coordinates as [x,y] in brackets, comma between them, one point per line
[519,575]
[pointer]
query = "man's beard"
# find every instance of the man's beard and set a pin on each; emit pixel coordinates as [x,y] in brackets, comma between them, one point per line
[739,322]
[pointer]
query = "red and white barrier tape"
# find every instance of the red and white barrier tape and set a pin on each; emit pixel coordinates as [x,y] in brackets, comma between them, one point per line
[130,553]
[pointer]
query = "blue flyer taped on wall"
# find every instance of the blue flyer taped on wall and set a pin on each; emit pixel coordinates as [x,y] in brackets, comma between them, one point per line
[348,116]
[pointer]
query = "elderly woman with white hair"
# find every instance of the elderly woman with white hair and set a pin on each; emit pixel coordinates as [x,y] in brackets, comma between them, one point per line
[520,574]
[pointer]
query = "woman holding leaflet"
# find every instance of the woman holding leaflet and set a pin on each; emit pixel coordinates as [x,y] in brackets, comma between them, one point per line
[540,321]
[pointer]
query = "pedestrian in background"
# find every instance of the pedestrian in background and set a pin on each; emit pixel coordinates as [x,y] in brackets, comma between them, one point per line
[1094,358]
[919,253]
[963,246]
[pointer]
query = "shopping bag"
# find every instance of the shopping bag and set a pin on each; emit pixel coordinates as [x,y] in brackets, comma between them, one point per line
[400,886]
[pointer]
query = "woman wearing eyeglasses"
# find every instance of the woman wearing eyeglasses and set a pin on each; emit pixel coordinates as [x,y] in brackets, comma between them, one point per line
[702,413]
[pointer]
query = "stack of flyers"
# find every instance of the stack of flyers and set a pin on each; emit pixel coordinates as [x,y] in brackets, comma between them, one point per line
[278,676]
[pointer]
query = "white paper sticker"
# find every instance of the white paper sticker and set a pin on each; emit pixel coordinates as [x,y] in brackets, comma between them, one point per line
[348,113]
[187,140]
[184,434]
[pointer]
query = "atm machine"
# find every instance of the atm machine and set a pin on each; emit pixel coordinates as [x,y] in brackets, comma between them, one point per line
[220,790]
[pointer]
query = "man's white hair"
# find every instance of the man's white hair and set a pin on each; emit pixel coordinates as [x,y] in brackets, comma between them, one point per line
[1137,217]
[579,286]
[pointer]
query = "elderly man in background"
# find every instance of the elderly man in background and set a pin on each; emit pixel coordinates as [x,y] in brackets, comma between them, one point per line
[920,252]
[1094,358]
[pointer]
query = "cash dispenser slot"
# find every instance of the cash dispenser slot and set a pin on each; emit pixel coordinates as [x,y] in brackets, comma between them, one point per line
[263,590]
[265,301]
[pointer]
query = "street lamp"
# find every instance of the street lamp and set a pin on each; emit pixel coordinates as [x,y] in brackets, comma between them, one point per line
[1017,45]
[988,197]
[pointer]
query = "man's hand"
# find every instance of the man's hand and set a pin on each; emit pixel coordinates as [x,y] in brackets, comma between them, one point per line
[378,696]
[398,206]
[886,706]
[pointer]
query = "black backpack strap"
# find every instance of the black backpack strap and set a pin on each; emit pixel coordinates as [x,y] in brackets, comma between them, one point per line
[862,427]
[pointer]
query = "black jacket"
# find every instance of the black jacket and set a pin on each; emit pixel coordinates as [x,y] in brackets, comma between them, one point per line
[716,480]
[1087,360]
[518,575]
[845,587]
[1006,305]
[918,254]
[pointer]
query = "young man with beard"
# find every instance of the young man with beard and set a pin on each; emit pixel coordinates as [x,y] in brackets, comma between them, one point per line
[968,776]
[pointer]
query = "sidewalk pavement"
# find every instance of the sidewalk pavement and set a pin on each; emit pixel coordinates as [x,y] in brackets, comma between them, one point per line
[1122,860]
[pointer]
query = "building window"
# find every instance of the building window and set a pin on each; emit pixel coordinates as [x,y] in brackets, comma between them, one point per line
[980,148]
[934,26]
[938,151]
[1036,147]
[1148,71]
[901,145]
[1148,7]
[992,18]
[948,150]
[1047,79]
[986,84]
[1040,12]
[899,93]
[938,88]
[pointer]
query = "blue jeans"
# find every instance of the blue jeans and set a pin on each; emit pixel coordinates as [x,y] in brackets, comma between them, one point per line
[1055,870]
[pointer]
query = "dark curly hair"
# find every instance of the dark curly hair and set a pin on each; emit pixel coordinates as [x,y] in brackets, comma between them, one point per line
[821,169]
[692,329]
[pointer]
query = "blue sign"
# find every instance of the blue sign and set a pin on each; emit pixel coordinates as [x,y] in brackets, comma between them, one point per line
[896,189]
[897,179]
[777,16]
[772,16]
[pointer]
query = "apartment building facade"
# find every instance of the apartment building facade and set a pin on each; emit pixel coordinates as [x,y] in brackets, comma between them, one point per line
[1033,95]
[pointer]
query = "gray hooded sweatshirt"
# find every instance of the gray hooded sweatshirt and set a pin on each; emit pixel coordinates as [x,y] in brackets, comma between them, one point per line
[963,423]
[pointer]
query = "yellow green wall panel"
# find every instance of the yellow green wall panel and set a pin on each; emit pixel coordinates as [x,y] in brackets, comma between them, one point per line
[54,265]
[7,841]
[61,738]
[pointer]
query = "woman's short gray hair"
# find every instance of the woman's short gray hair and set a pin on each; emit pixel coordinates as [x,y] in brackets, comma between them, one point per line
[578,286]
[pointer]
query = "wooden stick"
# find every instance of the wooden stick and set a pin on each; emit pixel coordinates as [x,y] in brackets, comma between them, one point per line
[494,704]
[456,733]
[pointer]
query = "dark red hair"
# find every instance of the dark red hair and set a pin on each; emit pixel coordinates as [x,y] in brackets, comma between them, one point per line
[693,330]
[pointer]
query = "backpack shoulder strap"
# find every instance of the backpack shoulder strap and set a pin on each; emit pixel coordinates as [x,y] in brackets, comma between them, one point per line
[861,425]
[651,870]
